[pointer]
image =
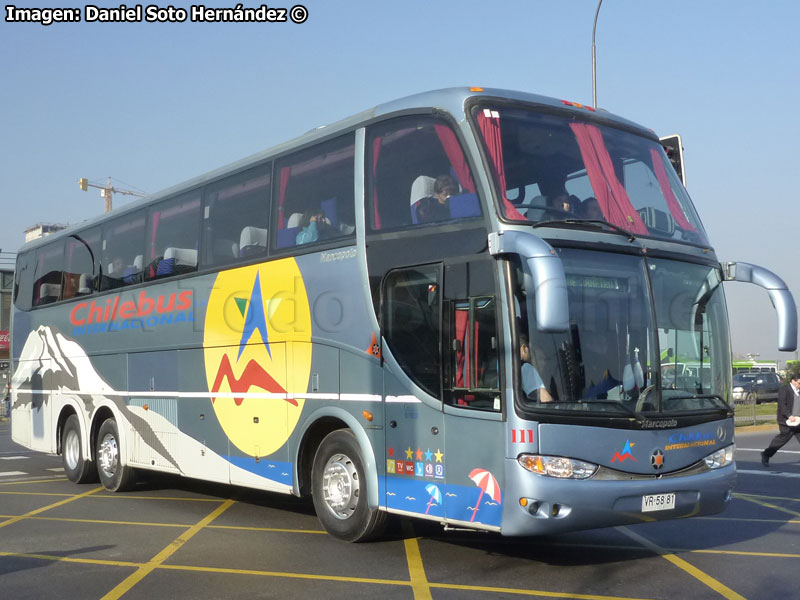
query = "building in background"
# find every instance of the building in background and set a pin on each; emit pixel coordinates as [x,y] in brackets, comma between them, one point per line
[42,229]
[6,289]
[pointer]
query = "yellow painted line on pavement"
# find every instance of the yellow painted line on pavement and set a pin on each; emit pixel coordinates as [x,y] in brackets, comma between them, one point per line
[72,559]
[773,506]
[416,570]
[520,592]
[36,494]
[443,586]
[313,577]
[742,519]
[762,497]
[285,575]
[177,525]
[171,549]
[23,482]
[170,498]
[106,497]
[267,529]
[714,584]
[108,522]
[744,553]
[49,506]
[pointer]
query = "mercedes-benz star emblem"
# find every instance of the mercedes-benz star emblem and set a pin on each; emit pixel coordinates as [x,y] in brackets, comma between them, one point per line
[657,459]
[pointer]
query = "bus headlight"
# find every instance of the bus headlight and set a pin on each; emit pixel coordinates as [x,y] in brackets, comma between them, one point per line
[720,458]
[557,466]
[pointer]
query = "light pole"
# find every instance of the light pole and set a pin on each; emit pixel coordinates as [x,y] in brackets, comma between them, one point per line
[594,57]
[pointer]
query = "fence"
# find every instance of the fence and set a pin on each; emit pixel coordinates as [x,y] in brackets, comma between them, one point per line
[749,412]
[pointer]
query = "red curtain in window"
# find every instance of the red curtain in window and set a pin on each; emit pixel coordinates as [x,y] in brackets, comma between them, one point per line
[462,316]
[666,189]
[489,124]
[610,193]
[475,371]
[156,219]
[455,156]
[376,152]
[285,173]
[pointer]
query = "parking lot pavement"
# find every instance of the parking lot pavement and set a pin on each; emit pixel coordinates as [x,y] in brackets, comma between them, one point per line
[182,538]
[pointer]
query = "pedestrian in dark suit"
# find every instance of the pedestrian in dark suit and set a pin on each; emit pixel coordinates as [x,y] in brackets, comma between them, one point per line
[788,405]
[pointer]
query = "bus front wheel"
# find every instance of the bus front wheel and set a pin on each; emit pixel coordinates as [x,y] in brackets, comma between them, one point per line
[76,467]
[339,488]
[114,476]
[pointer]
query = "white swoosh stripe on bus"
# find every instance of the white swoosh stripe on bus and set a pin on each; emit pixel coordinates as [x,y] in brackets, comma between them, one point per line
[256,395]
[411,399]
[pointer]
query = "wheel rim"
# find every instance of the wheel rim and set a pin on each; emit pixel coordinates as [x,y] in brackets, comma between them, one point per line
[108,455]
[340,486]
[72,449]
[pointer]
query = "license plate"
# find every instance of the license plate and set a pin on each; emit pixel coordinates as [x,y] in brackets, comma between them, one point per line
[655,502]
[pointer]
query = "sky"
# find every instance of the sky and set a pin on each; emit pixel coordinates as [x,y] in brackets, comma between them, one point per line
[154,104]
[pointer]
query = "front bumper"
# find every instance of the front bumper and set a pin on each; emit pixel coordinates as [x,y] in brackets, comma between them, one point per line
[559,505]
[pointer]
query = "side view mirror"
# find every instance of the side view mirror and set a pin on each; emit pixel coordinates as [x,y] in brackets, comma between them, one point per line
[779,295]
[673,146]
[544,266]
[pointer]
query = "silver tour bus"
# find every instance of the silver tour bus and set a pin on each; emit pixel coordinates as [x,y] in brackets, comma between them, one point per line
[465,306]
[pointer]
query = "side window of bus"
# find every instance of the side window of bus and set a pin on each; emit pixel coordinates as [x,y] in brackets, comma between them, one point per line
[471,348]
[315,193]
[48,285]
[172,239]
[418,175]
[411,323]
[122,255]
[83,250]
[23,280]
[236,217]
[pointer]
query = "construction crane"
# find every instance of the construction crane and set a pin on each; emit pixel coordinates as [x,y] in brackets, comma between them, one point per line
[106,191]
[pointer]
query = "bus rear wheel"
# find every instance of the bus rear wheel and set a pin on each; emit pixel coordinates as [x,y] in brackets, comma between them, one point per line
[114,476]
[76,467]
[339,489]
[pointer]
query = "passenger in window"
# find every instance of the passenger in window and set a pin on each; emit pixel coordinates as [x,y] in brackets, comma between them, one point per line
[436,208]
[600,356]
[590,209]
[558,201]
[313,226]
[116,266]
[531,380]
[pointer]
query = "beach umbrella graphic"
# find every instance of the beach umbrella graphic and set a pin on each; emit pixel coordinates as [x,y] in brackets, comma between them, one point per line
[436,495]
[488,484]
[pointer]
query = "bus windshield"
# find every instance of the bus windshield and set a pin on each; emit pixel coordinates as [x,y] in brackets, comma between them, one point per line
[552,168]
[633,322]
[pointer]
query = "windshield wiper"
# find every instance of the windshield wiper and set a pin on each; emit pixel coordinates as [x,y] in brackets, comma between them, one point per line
[597,223]
[616,403]
[690,396]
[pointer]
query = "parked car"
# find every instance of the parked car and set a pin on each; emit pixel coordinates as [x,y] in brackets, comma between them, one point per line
[758,387]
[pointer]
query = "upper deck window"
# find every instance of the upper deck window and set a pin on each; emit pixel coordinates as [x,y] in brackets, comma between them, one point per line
[315,192]
[236,217]
[172,237]
[552,167]
[48,285]
[418,174]
[82,259]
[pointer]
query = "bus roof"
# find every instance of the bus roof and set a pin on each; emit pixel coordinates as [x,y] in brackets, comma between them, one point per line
[451,100]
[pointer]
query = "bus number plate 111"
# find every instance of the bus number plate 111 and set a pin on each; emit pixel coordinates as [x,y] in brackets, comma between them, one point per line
[655,502]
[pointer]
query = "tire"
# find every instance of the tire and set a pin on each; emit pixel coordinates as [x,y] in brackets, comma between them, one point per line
[76,467]
[114,476]
[339,489]
[752,398]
